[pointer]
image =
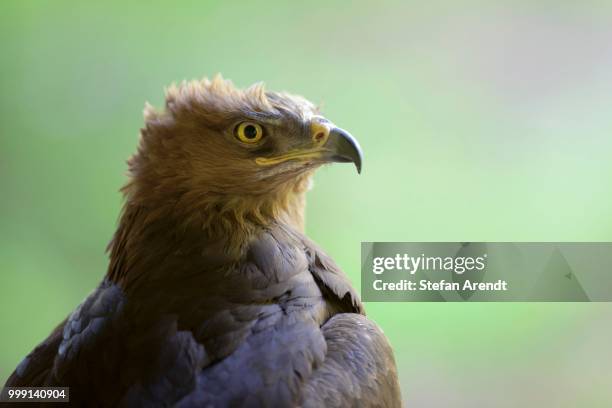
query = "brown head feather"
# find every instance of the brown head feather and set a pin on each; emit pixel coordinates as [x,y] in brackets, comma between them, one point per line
[190,172]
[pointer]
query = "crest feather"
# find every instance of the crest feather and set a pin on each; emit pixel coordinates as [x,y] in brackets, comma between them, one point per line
[217,96]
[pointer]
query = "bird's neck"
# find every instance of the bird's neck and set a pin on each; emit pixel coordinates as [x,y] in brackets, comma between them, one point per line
[155,230]
[240,215]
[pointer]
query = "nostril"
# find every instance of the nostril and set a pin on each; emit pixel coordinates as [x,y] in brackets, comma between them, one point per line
[318,137]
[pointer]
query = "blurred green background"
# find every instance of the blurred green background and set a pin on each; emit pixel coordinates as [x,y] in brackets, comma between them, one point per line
[480,121]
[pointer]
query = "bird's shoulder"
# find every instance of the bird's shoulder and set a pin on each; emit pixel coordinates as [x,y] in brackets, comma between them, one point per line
[359,367]
[281,254]
[333,282]
[281,349]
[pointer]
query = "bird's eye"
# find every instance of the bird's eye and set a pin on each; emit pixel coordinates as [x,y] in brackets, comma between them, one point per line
[249,132]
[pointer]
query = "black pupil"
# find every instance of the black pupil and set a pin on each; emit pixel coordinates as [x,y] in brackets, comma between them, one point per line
[250,132]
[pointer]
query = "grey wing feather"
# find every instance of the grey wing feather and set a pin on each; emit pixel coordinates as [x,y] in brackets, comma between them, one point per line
[332,281]
[35,368]
[359,368]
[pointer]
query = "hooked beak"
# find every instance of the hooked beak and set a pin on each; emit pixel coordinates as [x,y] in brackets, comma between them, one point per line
[329,144]
[341,147]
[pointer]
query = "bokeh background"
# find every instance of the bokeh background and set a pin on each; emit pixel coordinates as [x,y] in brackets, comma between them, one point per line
[480,121]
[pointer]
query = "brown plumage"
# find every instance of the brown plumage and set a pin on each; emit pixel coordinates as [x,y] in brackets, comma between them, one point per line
[214,296]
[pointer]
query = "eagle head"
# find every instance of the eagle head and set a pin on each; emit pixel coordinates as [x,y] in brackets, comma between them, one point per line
[246,153]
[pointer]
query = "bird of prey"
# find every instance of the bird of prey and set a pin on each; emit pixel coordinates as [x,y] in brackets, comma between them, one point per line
[214,296]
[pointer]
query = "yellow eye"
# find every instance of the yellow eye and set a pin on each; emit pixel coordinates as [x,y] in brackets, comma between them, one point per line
[249,132]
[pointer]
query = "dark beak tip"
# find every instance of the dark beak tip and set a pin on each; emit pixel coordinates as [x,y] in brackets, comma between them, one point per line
[345,148]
